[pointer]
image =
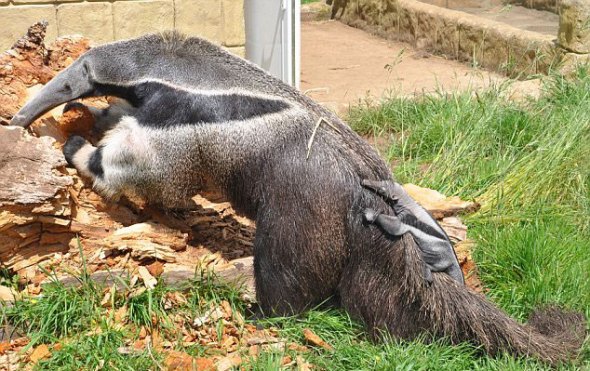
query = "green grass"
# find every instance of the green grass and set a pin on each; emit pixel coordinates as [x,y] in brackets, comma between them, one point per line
[352,351]
[91,337]
[539,262]
[60,312]
[99,351]
[481,146]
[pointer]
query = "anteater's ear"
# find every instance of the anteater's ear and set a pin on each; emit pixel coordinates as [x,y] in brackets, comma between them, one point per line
[385,188]
[74,82]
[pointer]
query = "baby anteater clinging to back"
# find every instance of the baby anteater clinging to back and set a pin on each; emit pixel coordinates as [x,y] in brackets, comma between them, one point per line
[435,247]
[202,117]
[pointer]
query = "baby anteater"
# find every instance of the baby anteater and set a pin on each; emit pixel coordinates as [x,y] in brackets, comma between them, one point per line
[435,247]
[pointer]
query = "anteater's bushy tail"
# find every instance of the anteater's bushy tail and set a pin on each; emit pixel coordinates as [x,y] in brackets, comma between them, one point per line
[396,299]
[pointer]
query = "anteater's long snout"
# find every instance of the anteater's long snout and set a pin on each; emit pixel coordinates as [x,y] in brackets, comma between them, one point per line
[70,84]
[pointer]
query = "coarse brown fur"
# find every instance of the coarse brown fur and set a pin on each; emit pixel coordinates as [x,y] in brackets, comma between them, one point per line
[311,240]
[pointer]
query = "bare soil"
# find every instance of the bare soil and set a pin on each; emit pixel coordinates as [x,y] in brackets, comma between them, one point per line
[342,66]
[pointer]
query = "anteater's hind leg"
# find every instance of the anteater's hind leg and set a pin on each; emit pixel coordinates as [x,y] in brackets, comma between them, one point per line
[293,273]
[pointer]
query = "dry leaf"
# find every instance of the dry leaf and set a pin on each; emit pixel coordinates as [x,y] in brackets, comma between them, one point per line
[313,339]
[254,350]
[156,268]
[38,278]
[298,348]
[20,342]
[156,339]
[211,315]
[176,360]
[239,319]
[250,328]
[34,290]
[40,352]
[121,314]
[174,299]
[11,361]
[302,365]
[139,344]
[4,347]
[274,347]
[143,332]
[205,364]
[229,362]
[225,305]
[287,361]
[106,300]
[260,338]
[148,280]
[230,344]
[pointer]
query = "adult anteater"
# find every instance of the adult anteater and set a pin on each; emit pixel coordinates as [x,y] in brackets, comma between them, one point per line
[201,117]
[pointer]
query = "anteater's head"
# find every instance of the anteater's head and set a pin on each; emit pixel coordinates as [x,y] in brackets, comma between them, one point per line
[110,68]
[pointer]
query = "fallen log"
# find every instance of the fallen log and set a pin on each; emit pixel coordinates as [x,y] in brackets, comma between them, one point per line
[35,205]
[238,273]
[439,205]
[146,241]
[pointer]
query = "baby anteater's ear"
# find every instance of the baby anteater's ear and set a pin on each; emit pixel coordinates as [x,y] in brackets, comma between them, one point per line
[384,188]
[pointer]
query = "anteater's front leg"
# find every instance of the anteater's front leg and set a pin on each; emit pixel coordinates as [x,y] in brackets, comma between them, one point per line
[118,164]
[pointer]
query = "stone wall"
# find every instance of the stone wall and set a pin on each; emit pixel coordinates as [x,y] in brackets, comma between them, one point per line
[221,21]
[549,5]
[574,32]
[456,34]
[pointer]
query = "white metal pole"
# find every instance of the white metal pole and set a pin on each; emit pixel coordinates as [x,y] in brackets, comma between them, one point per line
[273,37]
[296,43]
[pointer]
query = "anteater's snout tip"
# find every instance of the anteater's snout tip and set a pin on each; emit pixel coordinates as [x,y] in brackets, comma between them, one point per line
[19,120]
